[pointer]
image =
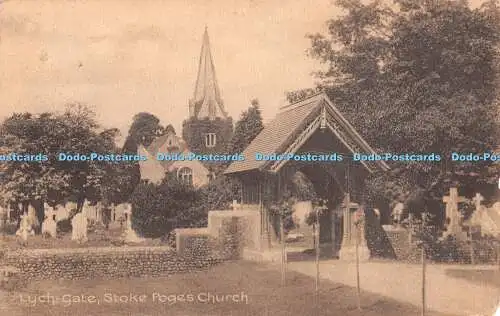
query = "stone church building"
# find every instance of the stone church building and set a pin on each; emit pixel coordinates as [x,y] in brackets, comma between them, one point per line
[208,129]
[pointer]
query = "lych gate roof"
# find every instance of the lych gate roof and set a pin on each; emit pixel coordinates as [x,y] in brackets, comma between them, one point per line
[280,135]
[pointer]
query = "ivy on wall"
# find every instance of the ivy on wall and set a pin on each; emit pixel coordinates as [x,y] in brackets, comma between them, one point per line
[194,131]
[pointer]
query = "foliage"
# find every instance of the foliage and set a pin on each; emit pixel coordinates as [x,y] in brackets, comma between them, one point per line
[144,129]
[418,78]
[283,211]
[64,226]
[220,193]
[158,209]
[318,206]
[75,131]
[302,188]
[247,128]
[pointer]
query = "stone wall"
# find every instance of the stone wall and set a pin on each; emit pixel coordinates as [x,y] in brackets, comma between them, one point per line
[110,262]
[236,230]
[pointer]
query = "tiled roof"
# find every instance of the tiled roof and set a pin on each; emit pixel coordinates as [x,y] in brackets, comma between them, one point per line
[159,142]
[274,135]
[288,123]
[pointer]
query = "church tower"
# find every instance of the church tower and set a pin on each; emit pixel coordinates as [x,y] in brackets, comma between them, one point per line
[209,128]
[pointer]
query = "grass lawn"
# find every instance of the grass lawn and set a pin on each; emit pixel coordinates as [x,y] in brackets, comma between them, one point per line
[98,238]
[256,288]
[482,277]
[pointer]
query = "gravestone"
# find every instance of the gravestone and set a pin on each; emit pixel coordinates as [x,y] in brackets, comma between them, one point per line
[3,216]
[453,217]
[397,214]
[32,217]
[354,232]
[477,199]
[49,226]
[79,230]
[130,235]
[377,214]
[25,228]
[49,212]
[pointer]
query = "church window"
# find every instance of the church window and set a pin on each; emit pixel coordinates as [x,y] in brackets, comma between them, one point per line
[185,175]
[210,140]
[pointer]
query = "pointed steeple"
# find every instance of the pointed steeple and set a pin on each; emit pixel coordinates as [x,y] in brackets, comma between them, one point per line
[206,101]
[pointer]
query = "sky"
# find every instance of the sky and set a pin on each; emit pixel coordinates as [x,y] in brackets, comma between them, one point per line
[122,57]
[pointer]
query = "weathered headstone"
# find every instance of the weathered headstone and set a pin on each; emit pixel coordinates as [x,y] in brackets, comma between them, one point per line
[32,216]
[397,214]
[79,231]
[3,216]
[49,226]
[453,217]
[25,228]
[130,235]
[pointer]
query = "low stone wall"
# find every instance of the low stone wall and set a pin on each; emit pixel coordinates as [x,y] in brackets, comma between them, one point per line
[236,229]
[110,262]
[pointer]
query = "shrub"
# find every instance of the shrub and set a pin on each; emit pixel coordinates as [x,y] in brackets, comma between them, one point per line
[449,250]
[10,228]
[157,209]
[220,193]
[64,226]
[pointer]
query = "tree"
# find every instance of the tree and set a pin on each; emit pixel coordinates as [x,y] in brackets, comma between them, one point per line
[144,129]
[50,180]
[83,135]
[158,209]
[418,79]
[247,128]
[27,182]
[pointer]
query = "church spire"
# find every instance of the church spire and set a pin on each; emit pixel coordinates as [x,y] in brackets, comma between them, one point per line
[206,101]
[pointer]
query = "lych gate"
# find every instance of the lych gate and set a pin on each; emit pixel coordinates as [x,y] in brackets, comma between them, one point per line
[312,126]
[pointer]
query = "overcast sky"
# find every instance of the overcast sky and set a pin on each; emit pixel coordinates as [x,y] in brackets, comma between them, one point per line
[128,56]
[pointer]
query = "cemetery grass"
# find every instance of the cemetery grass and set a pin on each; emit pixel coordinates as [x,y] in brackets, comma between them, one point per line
[488,277]
[260,282]
[98,238]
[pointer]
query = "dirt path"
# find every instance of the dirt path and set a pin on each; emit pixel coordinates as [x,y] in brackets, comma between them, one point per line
[402,282]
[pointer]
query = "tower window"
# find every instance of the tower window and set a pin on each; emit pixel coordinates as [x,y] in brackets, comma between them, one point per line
[210,140]
[185,175]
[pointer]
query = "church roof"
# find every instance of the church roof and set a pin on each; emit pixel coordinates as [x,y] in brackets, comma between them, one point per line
[160,144]
[207,100]
[281,134]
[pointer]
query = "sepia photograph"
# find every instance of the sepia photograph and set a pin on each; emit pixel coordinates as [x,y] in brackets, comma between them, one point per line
[250,157]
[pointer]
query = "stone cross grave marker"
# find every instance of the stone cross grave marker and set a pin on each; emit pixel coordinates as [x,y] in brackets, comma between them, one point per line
[477,201]
[454,226]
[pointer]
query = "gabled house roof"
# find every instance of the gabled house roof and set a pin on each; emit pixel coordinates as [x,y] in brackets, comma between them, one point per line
[160,143]
[296,122]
